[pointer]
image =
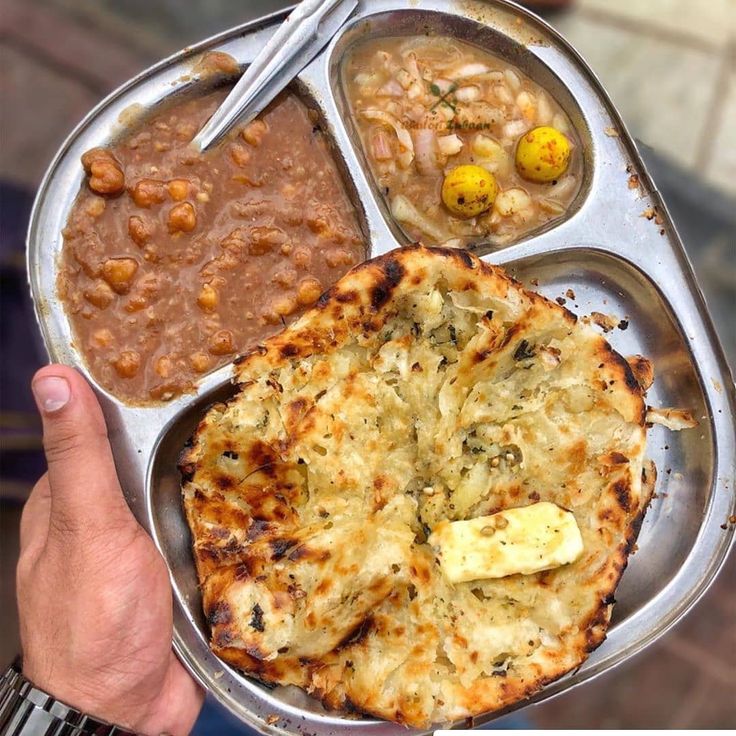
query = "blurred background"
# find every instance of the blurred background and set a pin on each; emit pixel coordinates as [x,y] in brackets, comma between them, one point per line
[670,67]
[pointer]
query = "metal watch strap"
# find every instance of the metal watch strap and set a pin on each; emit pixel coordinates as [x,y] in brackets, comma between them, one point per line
[25,710]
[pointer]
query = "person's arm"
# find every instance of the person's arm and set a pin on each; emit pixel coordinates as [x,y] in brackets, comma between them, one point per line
[93,592]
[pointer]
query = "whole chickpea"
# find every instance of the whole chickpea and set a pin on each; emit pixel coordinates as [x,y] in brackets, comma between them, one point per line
[138,230]
[119,273]
[127,364]
[102,338]
[254,132]
[199,361]
[163,366]
[308,292]
[285,306]
[285,278]
[178,189]
[105,173]
[221,343]
[239,154]
[95,207]
[148,192]
[339,257]
[182,218]
[302,258]
[101,295]
[208,298]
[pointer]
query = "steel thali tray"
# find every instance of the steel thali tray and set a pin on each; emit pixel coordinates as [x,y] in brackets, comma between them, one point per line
[613,258]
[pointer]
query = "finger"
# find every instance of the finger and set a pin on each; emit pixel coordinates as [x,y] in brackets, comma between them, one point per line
[34,521]
[85,492]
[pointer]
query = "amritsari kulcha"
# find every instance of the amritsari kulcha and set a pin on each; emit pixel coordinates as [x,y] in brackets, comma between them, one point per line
[420,500]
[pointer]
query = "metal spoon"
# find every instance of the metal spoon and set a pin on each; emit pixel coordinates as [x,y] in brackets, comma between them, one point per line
[296,42]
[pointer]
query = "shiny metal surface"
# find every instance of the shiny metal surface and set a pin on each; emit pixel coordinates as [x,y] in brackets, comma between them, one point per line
[295,43]
[615,260]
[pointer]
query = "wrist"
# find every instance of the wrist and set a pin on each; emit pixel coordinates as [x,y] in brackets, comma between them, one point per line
[28,710]
[69,686]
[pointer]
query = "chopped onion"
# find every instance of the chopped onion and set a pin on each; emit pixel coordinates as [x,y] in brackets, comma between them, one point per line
[560,123]
[381,146]
[443,85]
[551,206]
[491,155]
[512,202]
[527,106]
[502,94]
[391,89]
[406,155]
[435,52]
[405,212]
[515,128]
[512,79]
[450,145]
[563,187]
[412,68]
[363,78]
[404,78]
[392,107]
[468,94]
[473,69]
[544,110]
[425,143]
[415,91]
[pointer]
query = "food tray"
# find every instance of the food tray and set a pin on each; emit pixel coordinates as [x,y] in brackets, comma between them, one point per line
[615,260]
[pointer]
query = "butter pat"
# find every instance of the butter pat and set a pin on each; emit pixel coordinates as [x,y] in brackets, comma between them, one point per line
[523,540]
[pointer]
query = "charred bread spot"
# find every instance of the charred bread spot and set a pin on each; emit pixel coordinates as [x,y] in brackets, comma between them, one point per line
[613,458]
[187,467]
[258,528]
[642,369]
[350,707]
[358,633]
[304,552]
[279,547]
[614,359]
[622,492]
[223,638]
[381,292]
[244,570]
[219,613]
[524,351]
[511,333]
[289,350]
[224,482]
[481,355]
[458,254]
[262,457]
[256,620]
[347,297]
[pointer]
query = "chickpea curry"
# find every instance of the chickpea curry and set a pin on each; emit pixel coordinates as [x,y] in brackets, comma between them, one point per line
[463,146]
[174,261]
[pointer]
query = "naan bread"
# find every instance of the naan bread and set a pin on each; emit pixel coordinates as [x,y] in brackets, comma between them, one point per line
[425,385]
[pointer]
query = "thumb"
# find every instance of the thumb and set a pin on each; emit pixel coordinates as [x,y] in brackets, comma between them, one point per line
[85,492]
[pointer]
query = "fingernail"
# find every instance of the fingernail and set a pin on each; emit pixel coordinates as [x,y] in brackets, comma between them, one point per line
[52,393]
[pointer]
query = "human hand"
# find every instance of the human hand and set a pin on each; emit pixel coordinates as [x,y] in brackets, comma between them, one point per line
[94,596]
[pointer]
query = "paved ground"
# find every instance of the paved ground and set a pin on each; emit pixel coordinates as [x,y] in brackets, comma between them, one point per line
[670,66]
